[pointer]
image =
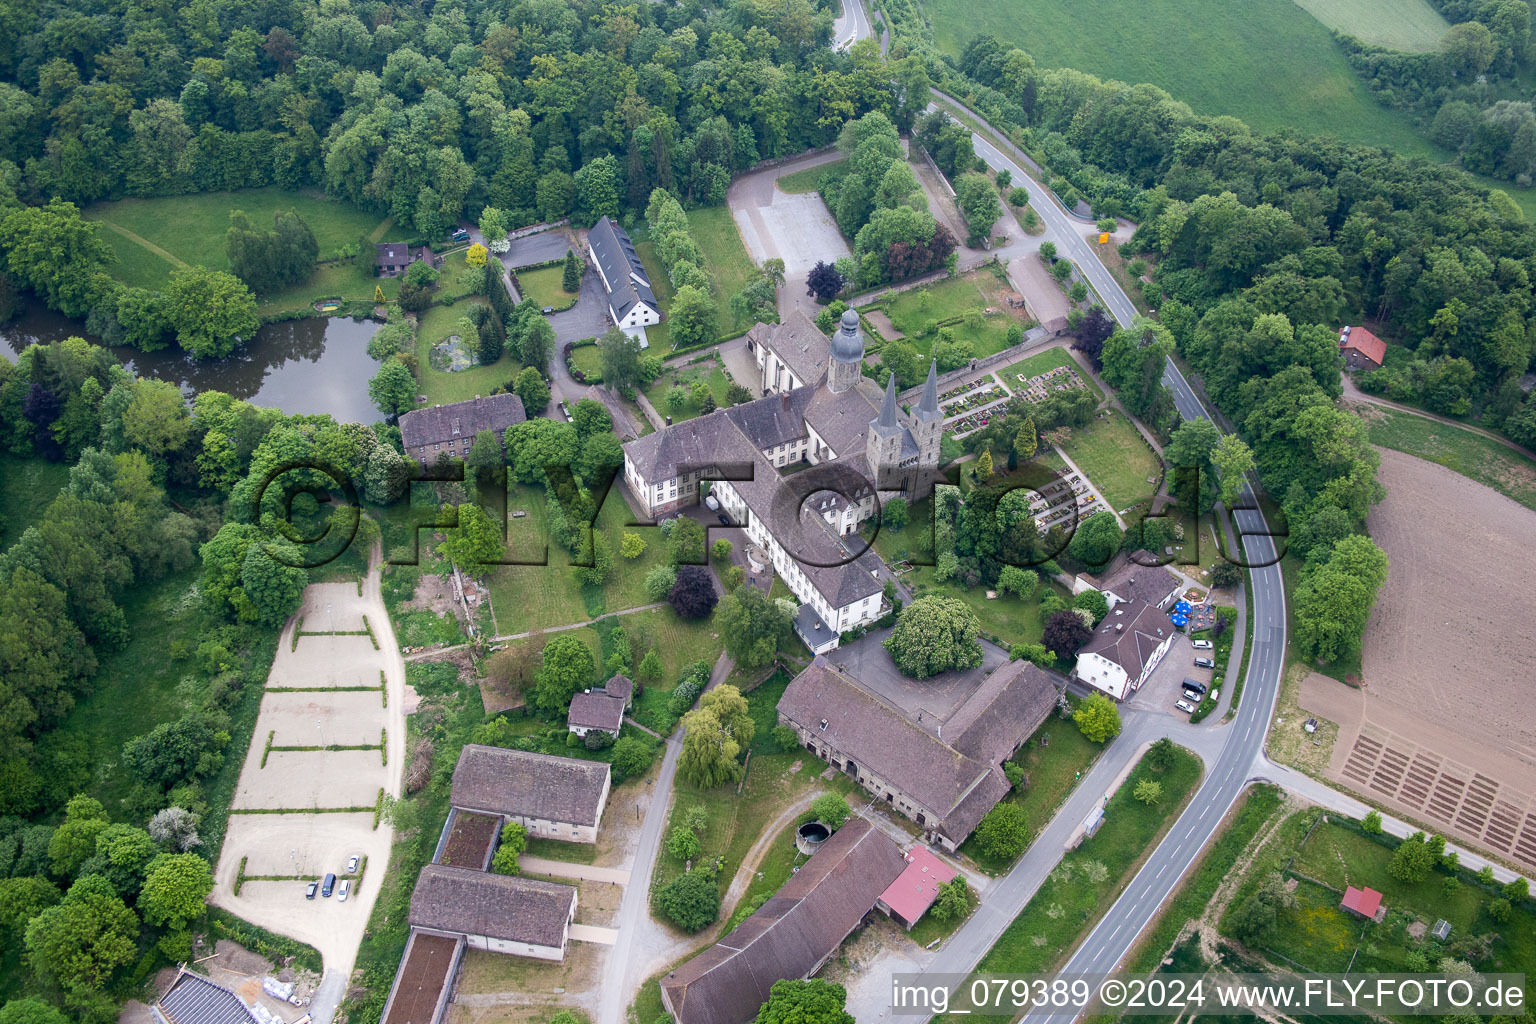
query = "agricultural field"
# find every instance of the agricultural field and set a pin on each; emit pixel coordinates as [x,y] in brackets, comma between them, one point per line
[1275,66]
[1464,451]
[1435,526]
[153,236]
[1115,457]
[1412,26]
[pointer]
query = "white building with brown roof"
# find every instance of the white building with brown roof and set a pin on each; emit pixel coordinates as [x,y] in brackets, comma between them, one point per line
[944,775]
[1125,648]
[1133,580]
[497,913]
[801,468]
[552,797]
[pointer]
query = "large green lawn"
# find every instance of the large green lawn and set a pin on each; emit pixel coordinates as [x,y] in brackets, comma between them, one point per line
[26,488]
[1040,362]
[725,260]
[436,324]
[1408,25]
[712,373]
[544,286]
[1268,61]
[1116,459]
[191,228]
[1467,452]
[913,312]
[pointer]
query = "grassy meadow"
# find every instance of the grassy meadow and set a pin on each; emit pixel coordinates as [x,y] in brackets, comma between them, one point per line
[1412,26]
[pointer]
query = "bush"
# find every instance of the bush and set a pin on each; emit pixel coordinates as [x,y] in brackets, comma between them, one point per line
[690,901]
[1003,832]
[831,810]
[597,739]
[631,758]
[683,697]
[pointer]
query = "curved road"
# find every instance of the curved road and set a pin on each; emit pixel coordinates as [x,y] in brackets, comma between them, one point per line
[1230,771]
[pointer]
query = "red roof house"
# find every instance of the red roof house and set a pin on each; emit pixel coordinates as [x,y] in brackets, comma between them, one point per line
[1362,350]
[1365,902]
[908,898]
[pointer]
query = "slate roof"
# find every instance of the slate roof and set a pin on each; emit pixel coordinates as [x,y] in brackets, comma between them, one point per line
[1129,635]
[773,419]
[1132,581]
[790,935]
[620,686]
[799,343]
[957,779]
[842,420]
[496,780]
[628,283]
[596,710]
[194,999]
[460,419]
[466,902]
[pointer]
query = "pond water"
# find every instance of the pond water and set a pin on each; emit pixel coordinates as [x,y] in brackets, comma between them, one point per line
[317,365]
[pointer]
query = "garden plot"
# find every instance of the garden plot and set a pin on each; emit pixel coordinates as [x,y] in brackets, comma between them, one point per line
[300,719]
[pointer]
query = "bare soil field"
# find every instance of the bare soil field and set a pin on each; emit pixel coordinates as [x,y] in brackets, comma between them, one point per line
[1449,638]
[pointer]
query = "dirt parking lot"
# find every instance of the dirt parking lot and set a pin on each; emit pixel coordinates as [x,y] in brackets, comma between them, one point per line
[303,719]
[331,607]
[307,845]
[1450,637]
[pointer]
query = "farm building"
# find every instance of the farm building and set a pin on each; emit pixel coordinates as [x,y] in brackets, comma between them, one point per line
[449,430]
[498,913]
[944,784]
[1361,349]
[790,936]
[552,797]
[595,711]
[909,897]
[631,302]
[194,999]
[1125,648]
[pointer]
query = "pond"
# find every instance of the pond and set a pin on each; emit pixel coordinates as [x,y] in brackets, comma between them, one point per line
[316,365]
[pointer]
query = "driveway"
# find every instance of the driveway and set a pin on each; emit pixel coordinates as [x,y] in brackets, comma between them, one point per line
[329,795]
[543,247]
[588,318]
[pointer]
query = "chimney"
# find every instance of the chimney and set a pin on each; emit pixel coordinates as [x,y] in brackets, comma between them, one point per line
[784,398]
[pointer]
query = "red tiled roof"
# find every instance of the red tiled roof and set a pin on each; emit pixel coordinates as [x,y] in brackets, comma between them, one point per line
[1364,902]
[1366,343]
[915,889]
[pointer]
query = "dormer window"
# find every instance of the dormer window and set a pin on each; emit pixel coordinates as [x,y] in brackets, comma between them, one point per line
[823,725]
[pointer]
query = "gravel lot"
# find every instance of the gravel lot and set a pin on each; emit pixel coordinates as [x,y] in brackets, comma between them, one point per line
[310,845]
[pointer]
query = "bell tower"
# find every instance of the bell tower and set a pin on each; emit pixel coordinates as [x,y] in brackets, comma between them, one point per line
[846,359]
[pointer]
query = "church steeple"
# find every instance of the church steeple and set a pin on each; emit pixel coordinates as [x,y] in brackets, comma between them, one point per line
[886,424]
[928,407]
[846,356]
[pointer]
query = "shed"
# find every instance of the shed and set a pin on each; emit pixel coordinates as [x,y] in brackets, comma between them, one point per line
[1442,930]
[1364,902]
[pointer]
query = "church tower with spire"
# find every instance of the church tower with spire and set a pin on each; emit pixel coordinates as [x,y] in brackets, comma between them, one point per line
[883,445]
[845,361]
[928,425]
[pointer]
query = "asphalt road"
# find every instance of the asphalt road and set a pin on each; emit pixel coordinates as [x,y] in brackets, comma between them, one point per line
[852,26]
[1229,771]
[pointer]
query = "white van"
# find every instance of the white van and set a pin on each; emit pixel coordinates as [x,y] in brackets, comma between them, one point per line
[711,503]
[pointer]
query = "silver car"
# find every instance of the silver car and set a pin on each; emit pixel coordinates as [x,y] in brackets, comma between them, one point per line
[1201,645]
[1184,706]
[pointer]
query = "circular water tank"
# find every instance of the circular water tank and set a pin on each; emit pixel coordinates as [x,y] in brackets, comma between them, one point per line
[810,836]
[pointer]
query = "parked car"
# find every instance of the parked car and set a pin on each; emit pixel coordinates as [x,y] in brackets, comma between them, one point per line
[1204,663]
[311,889]
[712,503]
[1184,706]
[1194,684]
[1201,645]
[725,520]
[548,310]
[461,235]
[1191,695]
[346,887]
[352,864]
[329,885]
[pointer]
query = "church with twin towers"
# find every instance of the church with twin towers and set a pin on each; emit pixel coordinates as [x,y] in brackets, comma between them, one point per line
[802,467]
